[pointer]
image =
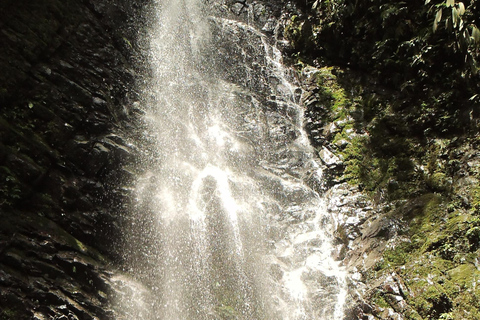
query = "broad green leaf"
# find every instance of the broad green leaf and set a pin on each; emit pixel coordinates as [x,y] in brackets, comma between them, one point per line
[450,3]
[471,62]
[461,8]
[438,18]
[455,17]
[476,34]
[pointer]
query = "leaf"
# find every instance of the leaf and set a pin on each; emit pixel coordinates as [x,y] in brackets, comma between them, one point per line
[471,62]
[476,34]
[473,97]
[438,18]
[464,40]
[315,4]
[455,17]
[448,24]
[466,35]
[461,8]
[30,105]
[450,3]
[427,1]
[128,42]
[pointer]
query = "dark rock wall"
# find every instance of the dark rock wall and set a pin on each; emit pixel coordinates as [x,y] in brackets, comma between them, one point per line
[67,107]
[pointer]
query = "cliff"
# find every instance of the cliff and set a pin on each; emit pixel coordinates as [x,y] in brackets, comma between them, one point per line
[392,108]
[66,109]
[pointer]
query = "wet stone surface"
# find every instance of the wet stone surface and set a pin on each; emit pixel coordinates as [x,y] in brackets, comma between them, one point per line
[65,152]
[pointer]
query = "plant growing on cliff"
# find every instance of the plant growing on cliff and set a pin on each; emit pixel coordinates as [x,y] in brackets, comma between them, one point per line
[459,21]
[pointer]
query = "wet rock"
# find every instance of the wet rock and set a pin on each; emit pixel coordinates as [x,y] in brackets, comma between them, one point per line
[238,8]
[98,158]
[341,144]
[269,26]
[120,151]
[276,272]
[24,167]
[329,158]
[68,107]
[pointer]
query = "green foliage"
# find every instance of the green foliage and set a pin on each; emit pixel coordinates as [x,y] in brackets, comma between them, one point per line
[332,95]
[438,264]
[379,300]
[299,33]
[432,75]
[475,196]
[457,19]
[382,165]
[417,76]
[394,257]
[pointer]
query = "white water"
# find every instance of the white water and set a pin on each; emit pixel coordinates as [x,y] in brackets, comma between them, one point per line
[225,227]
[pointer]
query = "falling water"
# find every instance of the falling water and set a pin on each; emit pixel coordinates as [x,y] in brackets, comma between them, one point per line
[225,226]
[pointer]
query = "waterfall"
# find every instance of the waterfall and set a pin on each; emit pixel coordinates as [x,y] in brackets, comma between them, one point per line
[225,226]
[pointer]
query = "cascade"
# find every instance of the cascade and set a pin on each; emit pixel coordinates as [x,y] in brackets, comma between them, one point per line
[226,223]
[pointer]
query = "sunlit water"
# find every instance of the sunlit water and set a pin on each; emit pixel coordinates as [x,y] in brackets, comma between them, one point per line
[225,226]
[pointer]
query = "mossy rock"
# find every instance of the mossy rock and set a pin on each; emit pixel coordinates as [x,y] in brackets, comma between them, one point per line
[439,181]
[475,199]
[439,263]
[463,275]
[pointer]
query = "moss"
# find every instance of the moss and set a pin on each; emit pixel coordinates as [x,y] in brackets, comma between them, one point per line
[403,147]
[356,160]
[382,164]
[300,34]
[379,300]
[425,212]
[463,275]
[439,181]
[475,199]
[455,220]
[332,94]
[426,281]
[397,256]
[438,264]
[382,176]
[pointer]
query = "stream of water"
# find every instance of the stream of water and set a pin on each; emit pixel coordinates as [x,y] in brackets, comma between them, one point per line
[226,227]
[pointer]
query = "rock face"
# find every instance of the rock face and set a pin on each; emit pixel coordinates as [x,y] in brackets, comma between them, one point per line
[66,109]
[406,207]
[68,113]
